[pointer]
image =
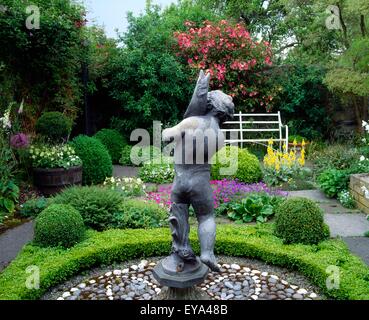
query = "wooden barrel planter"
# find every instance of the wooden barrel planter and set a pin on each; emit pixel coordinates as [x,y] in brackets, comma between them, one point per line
[52,181]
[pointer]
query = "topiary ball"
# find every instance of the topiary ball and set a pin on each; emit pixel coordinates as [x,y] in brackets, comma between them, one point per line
[59,225]
[54,126]
[97,163]
[246,165]
[300,220]
[113,142]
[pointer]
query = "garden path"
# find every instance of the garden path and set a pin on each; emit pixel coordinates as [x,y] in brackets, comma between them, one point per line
[12,241]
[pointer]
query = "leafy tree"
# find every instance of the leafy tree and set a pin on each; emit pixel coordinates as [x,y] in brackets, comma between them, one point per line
[148,80]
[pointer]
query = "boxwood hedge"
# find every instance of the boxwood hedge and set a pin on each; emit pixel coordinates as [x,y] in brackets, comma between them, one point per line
[57,266]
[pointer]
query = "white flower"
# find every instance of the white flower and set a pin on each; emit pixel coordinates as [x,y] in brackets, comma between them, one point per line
[362,158]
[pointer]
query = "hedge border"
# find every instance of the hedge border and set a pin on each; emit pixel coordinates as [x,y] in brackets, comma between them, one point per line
[105,248]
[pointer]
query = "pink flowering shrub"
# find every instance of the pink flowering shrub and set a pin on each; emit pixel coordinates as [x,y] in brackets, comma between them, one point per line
[234,60]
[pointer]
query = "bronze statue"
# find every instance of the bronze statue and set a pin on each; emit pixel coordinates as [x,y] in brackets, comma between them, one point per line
[197,138]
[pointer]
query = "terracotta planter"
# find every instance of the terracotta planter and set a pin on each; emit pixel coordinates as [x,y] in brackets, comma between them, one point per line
[52,181]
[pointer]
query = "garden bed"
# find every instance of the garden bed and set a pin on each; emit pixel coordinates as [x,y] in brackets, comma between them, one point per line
[257,242]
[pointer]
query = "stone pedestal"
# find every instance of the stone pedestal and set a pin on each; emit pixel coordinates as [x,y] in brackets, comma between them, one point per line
[181,284]
[357,181]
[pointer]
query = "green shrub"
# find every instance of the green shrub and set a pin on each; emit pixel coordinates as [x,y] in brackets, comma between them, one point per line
[346,199]
[125,159]
[113,142]
[144,155]
[338,157]
[97,163]
[248,171]
[158,173]
[59,225]
[135,214]
[297,138]
[54,126]
[333,181]
[9,194]
[300,220]
[97,205]
[33,207]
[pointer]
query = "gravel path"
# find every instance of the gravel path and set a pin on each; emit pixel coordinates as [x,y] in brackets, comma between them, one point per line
[12,241]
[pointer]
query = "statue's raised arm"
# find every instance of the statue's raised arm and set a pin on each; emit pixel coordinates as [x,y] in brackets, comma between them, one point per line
[198,104]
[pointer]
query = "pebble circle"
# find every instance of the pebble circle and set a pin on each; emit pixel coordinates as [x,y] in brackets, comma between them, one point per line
[234,282]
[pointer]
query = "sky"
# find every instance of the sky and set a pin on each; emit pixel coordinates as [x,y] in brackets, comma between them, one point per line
[112,13]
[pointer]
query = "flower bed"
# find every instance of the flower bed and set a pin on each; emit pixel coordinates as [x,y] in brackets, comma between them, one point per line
[56,265]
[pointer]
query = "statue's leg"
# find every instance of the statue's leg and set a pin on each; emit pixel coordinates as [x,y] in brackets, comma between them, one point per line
[180,228]
[204,210]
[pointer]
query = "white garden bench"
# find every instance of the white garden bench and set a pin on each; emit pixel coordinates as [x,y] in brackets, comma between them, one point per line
[243,128]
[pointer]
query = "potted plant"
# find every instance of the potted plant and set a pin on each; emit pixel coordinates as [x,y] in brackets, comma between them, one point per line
[55,167]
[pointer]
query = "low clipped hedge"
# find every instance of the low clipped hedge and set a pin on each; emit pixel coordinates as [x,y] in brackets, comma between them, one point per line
[57,266]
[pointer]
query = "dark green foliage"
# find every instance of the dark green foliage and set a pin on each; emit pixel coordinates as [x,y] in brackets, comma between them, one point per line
[97,205]
[333,181]
[33,207]
[148,80]
[247,164]
[135,214]
[300,220]
[125,159]
[113,142]
[54,126]
[257,207]
[301,99]
[334,156]
[59,225]
[255,242]
[97,163]
[9,193]
[42,65]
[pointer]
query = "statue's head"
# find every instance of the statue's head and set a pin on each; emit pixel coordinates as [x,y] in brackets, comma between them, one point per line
[220,105]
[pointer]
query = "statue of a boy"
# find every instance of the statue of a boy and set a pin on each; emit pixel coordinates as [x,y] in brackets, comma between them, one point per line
[197,138]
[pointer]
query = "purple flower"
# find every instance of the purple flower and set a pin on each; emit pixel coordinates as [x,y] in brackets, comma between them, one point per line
[19,141]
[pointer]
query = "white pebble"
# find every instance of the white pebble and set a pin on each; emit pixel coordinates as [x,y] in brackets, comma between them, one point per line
[254,297]
[293,287]
[74,289]
[255,271]
[109,293]
[203,289]
[125,270]
[235,267]
[274,277]
[66,294]
[238,274]
[227,266]
[246,269]
[212,283]
[313,295]
[284,282]
[92,281]
[108,274]
[264,274]
[82,285]
[111,298]
[60,298]
[255,278]
[134,267]
[302,291]
[117,272]
[152,264]
[257,281]
[157,290]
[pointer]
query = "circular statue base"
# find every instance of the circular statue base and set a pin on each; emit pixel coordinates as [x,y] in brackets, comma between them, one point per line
[190,274]
[193,293]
